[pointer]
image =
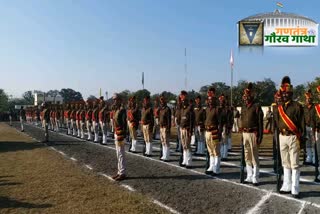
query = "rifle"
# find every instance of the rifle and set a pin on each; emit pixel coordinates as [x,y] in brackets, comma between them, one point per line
[161,150]
[274,150]
[242,162]
[316,164]
[278,160]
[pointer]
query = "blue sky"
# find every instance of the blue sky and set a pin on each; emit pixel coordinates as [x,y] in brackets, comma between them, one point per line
[86,45]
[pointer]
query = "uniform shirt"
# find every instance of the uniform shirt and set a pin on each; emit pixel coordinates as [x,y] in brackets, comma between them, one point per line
[212,118]
[187,117]
[103,115]
[317,120]
[295,112]
[95,114]
[120,119]
[165,117]
[251,116]
[275,115]
[309,115]
[133,115]
[199,115]
[147,116]
[22,113]
[178,116]
[89,114]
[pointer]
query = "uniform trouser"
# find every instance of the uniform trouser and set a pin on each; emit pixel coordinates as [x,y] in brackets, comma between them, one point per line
[235,127]
[10,119]
[269,124]
[179,146]
[317,137]
[155,127]
[95,130]
[82,124]
[89,129]
[103,127]
[199,134]
[57,124]
[132,131]
[46,130]
[310,138]
[164,136]
[251,149]
[290,151]
[120,149]
[78,127]
[185,138]
[69,125]
[21,123]
[146,133]
[213,145]
[224,142]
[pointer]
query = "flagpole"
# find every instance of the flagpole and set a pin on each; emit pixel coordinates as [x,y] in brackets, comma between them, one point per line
[231,104]
[185,69]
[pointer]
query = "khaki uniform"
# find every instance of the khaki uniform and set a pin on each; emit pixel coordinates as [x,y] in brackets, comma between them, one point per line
[133,117]
[95,124]
[317,133]
[309,116]
[252,131]
[147,122]
[186,131]
[290,145]
[120,124]
[199,130]
[165,127]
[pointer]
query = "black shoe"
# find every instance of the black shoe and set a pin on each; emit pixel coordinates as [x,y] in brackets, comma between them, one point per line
[297,196]
[189,167]
[255,184]
[317,180]
[22,130]
[284,192]
[182,165]
[209,172]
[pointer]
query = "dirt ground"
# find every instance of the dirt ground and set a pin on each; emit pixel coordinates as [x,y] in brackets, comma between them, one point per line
[35,179]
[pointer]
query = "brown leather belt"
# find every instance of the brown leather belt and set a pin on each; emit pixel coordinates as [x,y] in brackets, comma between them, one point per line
[210,128]
[286,132]
[249,130]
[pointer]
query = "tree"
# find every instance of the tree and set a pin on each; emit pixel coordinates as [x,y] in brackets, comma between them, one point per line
[140,94]
[28,98]
[264,91]
[298,93]
[4,105]
[92,97]
[53,93]
[70,95]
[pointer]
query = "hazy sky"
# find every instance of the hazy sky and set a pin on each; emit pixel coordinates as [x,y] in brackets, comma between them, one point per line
[87,44]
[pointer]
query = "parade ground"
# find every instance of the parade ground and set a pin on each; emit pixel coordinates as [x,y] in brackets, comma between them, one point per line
[70,175]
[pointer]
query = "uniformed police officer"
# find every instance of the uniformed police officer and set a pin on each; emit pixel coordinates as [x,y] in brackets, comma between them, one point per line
[147,121]
[165,127]
[199,132]
[120,126]
[22,115]
[317,127]
[103,119]
[252,133]
[309,116]
[133,117]
[292,131]
[186,128]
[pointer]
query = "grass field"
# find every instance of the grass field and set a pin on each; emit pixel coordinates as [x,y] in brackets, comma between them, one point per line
[35,179]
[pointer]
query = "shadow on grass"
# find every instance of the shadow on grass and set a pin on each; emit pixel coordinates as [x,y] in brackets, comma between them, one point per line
[10,184]
[6,202]
[178,177]
[18,146]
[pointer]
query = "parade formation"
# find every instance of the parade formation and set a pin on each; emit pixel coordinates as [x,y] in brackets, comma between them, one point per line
[206,123]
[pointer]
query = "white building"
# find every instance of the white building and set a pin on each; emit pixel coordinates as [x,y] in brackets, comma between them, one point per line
[41,97]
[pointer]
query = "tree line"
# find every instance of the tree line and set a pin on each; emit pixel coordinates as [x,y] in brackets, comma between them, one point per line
[264,92]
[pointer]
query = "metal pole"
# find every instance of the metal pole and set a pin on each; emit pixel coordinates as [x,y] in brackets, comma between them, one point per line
[231,86]
[185,69]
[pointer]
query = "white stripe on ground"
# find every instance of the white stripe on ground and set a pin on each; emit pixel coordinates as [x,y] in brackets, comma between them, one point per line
[105,175]
[200,173]
[165,207]
[73,159]
[128,187]
[88,166]
[54,149]
[301,208]
[257,207]
[61,152]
